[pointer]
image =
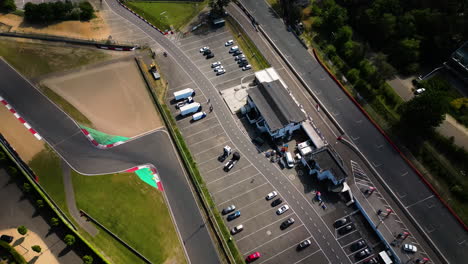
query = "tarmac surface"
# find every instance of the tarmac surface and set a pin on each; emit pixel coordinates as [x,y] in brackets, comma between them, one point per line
[63,134]
[438,223]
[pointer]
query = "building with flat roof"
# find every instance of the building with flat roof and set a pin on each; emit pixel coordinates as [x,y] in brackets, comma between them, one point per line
[458,62]
[326,165]
[271,107]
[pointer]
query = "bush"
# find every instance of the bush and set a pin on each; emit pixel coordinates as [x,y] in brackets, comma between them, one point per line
[69,240]
[353,75]
[87,11]
[36,248]
[54,222]
[7,5]
[18,259]
[22,230]
[57,11]
[87,259]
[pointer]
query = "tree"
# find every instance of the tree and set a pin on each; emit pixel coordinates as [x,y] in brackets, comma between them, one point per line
[40,203]
[334,16]
[407,52]
[22,230]
[423,113]
[384,69]
[343,35]
[69,240]
[54,222]
[87,11]
[217,7]
[353,75]
[7,5]
[87,259]
[36,248]
[26,187]
[352,52]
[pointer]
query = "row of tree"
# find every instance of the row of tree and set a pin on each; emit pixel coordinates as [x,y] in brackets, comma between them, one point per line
[7,6]
[58,11]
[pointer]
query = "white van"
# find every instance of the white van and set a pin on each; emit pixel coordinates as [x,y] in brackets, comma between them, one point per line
[198,116]
[289,160]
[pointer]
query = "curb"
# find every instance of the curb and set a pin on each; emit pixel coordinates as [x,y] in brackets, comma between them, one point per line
[395,147]
[26,124]
[95,143]
[153,170]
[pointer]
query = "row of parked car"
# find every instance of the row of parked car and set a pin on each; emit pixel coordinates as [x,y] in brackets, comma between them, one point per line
[240,58]
[186,105]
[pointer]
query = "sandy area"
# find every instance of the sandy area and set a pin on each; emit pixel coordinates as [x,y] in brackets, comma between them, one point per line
[24,247]
[451,128]
[18,136]
[113,97]
[97,28]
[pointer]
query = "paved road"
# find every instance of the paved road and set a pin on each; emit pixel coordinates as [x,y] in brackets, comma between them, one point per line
[436,220]
[62,133]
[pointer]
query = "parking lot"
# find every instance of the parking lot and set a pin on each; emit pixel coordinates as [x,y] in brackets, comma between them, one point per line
[244,186]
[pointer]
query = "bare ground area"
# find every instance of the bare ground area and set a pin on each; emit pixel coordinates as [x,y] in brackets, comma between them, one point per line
[113,96]
[23,245]
[96,28]
[18,136]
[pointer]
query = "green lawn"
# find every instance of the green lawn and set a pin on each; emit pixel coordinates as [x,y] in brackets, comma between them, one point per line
[34,59]
[134,211]
[165,14]
[254,56]
[47,166]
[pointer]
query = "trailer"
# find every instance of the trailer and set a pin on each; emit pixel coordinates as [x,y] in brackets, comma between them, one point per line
[182,94]
[190,108]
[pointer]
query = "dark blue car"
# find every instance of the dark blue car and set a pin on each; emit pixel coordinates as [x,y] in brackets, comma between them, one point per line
[233,216]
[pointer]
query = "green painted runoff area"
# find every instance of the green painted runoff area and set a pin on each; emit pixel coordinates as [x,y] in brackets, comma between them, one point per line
[103,138]
[146,175]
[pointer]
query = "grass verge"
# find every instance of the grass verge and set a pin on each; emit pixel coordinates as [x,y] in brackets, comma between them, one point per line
[254,56]
[175,13]
[35,59]
[138,215]
[66,106]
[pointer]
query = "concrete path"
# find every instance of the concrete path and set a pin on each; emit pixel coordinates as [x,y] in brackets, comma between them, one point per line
[71,202]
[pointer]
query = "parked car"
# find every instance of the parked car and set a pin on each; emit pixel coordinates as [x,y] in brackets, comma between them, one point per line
[362,254]
[371,261]
[209,56]
[237,52]
[243,63]
[304,244]
[276,202]
[253,257]
[218,68]
[419,91]
[221,71]
[241,60]
[340,222]
[233,216]
[203,49]
[6,238]
[271,195]
[185,101]
[228,209]
[282,209]
[410,248]
[226,152]
[207,52]
[229,43]
[215,64]
[233,49]
[230,164]
[237,229]
[345,229]
[239,57]
[198,116]
[247,67]
[358,245]
[287,223]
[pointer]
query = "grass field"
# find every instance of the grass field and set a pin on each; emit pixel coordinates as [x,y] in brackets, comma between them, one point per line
[47,166]
[176,13]
[35,59]
[254,56]
[134,211]
[66,106]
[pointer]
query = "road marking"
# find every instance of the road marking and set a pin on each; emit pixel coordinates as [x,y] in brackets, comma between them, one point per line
[198,153]
[206,161]
[204,120]
[232,185]
[206,139]
[318,250]
[230,173]
[283,234]
[242,194]
[420,201]
[279,220]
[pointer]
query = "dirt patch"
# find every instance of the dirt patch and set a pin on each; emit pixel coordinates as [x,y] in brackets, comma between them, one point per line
[25,144]
[113,96]
[96,28]
[23,245]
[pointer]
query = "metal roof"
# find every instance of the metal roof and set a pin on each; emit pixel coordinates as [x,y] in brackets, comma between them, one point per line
[275,104]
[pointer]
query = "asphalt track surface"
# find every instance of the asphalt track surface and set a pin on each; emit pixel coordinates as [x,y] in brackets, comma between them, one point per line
[441,226]
[63,134]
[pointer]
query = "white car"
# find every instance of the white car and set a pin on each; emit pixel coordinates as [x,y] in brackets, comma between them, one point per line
[229,43]
[233,49]
[271,195]
[410,248]
[420,91]
[204,48]
[215,64]
[247,67]
[240,57]
[221,71]
[237,229]
[282,209]
[218,68]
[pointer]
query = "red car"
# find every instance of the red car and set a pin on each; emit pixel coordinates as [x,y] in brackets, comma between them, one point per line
[253,257]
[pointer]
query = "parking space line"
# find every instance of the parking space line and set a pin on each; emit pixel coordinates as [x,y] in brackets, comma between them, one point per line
[206,139]
[235,71]
[232,185]
[352,242]
[198,123]
[318,250]
[247,205]
[211,127]
[271,240]
[217,168]
[281,252]
[272,223]
[242,194]
[179,86]
[211,148]
[229,174]
[355,230]
[206,161]
[203,39]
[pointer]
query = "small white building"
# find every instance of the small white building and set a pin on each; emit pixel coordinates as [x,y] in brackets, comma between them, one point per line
[271,107]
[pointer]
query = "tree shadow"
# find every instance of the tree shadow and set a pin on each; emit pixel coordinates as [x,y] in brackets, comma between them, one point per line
[64,251]
[50,232]
[33,260]
[18,242]
[36,213]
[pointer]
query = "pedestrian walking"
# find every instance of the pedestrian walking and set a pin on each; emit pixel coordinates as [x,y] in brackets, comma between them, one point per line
[211,108]
[209,99]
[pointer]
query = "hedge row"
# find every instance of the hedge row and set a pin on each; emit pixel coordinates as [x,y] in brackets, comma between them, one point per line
[18,259]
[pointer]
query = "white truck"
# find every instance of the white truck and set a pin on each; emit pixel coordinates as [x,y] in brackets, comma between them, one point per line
[183,94]
[190,108]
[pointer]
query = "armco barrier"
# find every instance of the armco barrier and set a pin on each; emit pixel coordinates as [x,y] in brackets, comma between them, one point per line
[390,141]
[142,18]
